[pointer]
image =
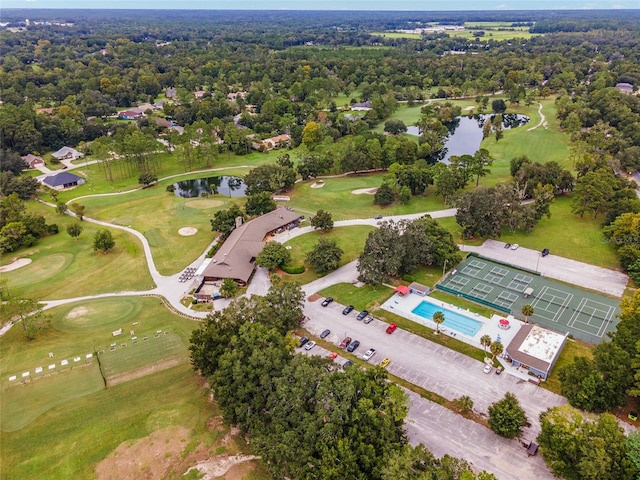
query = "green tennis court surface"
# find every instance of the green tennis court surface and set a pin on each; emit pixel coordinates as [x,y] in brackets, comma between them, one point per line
[557,306]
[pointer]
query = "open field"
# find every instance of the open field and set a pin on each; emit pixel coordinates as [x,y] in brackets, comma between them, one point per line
[64,267]
[365,297]
[78,422]
[350,239]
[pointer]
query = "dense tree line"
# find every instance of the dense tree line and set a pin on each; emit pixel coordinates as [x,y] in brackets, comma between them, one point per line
[305,417]
[19,228]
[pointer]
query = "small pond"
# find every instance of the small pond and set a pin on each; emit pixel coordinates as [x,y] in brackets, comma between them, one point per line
[465,133]
[202,187]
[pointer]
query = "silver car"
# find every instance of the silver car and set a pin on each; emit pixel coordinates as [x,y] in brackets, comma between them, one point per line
[368,354]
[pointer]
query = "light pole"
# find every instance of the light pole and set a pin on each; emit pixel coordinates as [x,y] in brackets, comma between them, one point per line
[444,266]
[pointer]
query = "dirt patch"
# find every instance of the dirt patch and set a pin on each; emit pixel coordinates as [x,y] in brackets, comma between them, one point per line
[142,372]
[219,466]
[203,203]
[314,297]
[468,108]
[187,231]
[148,458]
[365,191]
[318,184]
[16,264]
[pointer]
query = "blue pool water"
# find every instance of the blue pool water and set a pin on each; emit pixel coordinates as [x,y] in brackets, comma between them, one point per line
[452,320]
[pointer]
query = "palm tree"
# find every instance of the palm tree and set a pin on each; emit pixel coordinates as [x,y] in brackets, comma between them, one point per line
[438,318]
[527,311]
[485,341]
[496,348]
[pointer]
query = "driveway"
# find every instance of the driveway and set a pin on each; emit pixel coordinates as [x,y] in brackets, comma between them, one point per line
[588,276]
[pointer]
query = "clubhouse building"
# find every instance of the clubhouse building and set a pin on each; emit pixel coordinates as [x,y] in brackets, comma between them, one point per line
[236,258]
[536,349]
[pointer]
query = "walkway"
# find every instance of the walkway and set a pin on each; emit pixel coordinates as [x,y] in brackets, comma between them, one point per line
[543,120]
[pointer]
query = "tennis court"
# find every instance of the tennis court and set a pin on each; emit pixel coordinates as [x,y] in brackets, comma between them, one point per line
[557,306]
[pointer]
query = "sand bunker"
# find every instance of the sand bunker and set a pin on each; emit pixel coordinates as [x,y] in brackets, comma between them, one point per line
[468,108]
[187,231]
[318,184]
[203,203]
[77,312]
[21,262]
[365,191]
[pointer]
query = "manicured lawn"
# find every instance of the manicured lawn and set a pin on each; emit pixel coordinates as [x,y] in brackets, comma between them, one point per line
[68,422]
[350,239]
[568,235]
[336,197]
[362,298]
[159,215]
[573,348]
[63,267]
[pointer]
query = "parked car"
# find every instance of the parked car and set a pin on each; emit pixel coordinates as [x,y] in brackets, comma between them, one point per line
[384,363]
[345,343]
[309,345]
[545,252]
[514,246]
[368,354]
[346,364]
[327,301]
[391,328]
[353,345]
[303,340]
[347,310]
[378,217]
[487,368]
[362,315]
[325,333]
[498,370]
[368,319]
[507,245]
[333,355]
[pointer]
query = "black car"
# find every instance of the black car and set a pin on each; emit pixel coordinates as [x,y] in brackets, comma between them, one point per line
[378,217]
[362,315]
[347,310]
[325,333]
[327,301]
[507,245]
[353,345]
[303,340]
[346,364]
[545,252]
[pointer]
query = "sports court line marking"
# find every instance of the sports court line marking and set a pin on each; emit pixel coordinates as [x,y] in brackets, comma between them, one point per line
[506,299]
[480,290]
[499,271]
[496,279]
[601,316]
[551,303]
[471,271]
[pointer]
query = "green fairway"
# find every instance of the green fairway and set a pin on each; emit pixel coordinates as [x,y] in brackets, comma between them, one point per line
[350,239]
[60,425]
[63,267]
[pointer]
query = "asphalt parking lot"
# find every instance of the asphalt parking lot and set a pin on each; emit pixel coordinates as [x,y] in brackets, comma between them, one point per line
[447,373]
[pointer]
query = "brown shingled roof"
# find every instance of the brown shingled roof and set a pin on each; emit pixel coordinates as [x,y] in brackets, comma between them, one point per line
[233,259]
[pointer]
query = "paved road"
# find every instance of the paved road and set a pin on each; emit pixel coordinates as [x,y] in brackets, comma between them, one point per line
[431,366]
[552,266]
[436,427]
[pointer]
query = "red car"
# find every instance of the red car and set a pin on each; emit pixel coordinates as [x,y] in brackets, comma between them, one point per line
[391,328]
[345,343]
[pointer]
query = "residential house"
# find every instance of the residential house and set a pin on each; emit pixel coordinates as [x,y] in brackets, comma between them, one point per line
[233,96]
[625,87]
[236,257]
[171,93]
[67,153]
[199,93]
[270,143]
[45,111]
[32,161]
[63,180]
[129,115]
[364,106]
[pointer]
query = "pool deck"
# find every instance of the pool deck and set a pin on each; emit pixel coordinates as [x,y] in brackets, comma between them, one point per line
[403,305]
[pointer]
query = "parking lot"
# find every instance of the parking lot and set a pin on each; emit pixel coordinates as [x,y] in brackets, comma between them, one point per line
[445,372]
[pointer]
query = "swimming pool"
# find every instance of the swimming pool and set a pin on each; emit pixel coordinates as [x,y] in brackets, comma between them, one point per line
[453,320]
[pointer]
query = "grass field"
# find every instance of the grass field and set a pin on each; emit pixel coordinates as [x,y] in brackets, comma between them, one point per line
[63,267]
[63,425]
[366,297]
[350,239]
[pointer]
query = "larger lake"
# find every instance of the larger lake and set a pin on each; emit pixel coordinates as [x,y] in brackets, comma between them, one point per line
[465,133]
[202,187]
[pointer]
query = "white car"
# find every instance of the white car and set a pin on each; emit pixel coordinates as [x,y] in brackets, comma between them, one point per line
[368,354]
[309,345]
[487,368]
[514,246]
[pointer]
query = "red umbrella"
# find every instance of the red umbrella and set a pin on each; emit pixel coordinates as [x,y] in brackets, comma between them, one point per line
[504,321]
